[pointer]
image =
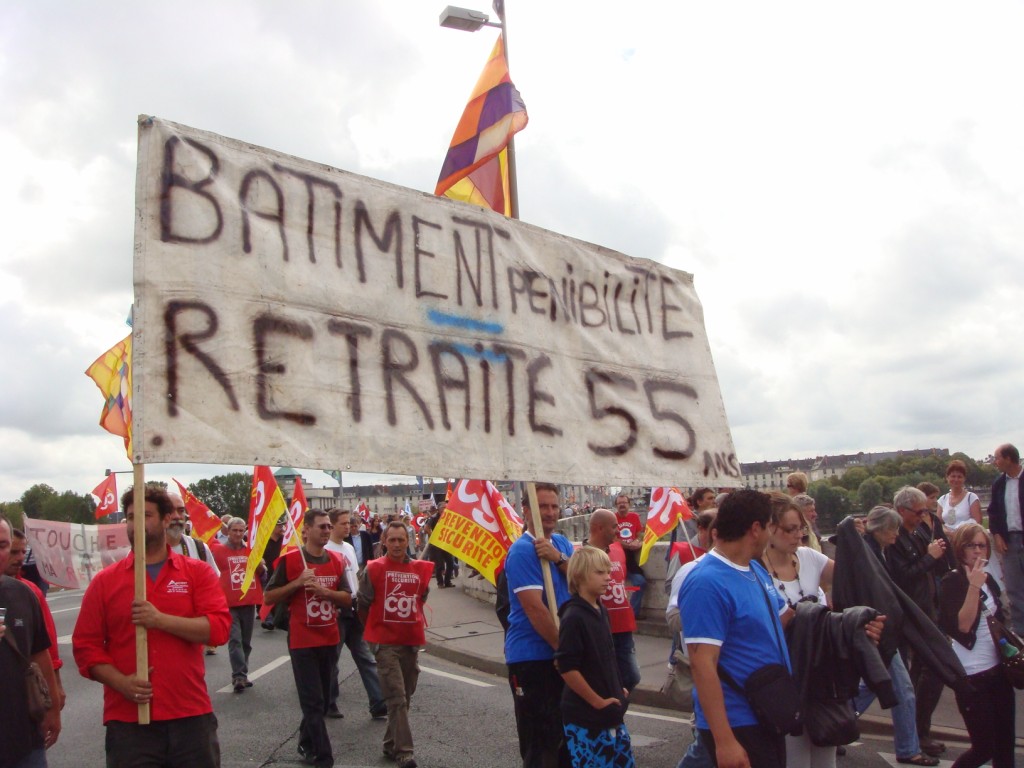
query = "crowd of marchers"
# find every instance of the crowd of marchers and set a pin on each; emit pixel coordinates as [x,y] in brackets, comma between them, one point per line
[912,598]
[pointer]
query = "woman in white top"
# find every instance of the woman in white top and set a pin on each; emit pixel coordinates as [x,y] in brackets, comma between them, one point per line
[987,704]
[959,506]
[800,574]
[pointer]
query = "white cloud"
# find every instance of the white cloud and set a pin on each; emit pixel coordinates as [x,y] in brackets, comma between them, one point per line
[845,183]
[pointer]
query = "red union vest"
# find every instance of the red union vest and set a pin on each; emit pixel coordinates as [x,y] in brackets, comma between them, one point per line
[396,616]
[313,621]
[616,599]
[231,563]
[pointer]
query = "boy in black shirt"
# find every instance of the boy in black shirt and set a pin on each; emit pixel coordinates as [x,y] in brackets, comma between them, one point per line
[593,701]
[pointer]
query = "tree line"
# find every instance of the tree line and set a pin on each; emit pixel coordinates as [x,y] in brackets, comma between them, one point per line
[862,488]
[222,493]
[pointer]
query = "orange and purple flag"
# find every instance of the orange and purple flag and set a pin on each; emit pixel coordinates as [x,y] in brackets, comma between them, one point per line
[112,372]
[475,169]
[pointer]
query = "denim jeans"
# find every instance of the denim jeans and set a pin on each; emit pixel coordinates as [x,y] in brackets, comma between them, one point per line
[904,714]
[1013,576]
[240,640]
[352,636]
[625,655]
[636,596]
[696,755]
[34,759]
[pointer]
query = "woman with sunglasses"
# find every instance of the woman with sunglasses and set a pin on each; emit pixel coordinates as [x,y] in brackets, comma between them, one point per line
[987,705]
[799,574]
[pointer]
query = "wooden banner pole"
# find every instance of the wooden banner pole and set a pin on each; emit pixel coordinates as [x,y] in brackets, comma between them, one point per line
[538,532]
[139,534]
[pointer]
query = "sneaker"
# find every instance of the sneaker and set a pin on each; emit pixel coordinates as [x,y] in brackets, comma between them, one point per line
[334,713]
[919,759]
[210,650]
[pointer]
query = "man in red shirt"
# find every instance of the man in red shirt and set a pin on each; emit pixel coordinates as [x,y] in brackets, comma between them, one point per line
[392,591]
[604,535]
[231,559]
[312,581]
[183,609]
[19,544]
[631,536]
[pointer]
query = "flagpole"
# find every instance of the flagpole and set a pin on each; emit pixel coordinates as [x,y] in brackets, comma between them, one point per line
[139,534]
[538,533]
[513,182]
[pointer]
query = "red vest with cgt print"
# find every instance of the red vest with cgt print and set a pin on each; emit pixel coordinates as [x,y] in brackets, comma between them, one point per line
[313,621]
[396,613]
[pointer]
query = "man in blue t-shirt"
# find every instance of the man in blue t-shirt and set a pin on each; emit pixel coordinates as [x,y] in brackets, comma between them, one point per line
[532,636]
[731,614]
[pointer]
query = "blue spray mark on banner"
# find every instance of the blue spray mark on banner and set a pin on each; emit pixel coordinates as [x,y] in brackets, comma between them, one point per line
[468,323]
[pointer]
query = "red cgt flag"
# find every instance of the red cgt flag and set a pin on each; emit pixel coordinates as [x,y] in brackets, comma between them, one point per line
[106,496]
[205,524]
[296,512]
[668,507]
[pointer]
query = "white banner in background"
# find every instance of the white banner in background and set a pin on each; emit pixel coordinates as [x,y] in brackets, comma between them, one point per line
[70,554]
[289,313]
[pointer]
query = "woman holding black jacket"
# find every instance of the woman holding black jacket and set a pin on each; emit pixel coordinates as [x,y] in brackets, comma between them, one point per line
[987,705]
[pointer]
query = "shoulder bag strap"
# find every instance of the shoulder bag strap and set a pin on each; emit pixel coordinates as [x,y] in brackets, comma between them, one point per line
[722,673]
[10,639]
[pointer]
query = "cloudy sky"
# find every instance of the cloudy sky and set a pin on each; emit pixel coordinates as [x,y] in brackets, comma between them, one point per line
[845,181]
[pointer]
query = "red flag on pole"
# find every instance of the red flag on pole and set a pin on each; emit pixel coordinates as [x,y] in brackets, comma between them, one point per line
[363,511]
[667,508]
[205,524]
[296,512]
[106,496]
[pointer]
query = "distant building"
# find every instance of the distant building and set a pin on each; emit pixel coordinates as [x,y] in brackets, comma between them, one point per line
[771,475]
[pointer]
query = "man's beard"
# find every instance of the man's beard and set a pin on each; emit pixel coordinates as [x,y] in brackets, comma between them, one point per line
[175,531]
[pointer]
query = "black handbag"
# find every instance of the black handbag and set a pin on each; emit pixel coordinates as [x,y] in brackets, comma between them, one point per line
[36,689]
[1012,666]
[831,722]
[771,690]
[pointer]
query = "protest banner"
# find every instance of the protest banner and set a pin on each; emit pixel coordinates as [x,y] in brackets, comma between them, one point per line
[281,303]
[70,554]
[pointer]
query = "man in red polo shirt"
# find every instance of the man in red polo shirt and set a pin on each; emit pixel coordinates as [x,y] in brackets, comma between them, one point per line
[631,536]
[604,535]
[391,592]
[184,610]
[231,559]
[312,581]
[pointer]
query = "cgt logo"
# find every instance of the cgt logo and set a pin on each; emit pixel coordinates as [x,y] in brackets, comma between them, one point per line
[616,594]
[237,572]
[319,612]
[400,602]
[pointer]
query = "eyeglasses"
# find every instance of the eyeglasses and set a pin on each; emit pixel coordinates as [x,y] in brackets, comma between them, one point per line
[790,529]
[976,545]
[325,526]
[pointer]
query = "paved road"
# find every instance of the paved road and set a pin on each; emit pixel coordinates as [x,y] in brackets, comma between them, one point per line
[461,718]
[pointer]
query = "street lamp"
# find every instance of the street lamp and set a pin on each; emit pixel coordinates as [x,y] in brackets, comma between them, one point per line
[465,19]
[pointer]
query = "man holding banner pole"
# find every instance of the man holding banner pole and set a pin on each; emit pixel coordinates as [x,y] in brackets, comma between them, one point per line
[532,635]
[180,610]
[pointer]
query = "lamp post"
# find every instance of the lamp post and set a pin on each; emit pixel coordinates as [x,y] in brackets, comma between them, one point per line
[468,20]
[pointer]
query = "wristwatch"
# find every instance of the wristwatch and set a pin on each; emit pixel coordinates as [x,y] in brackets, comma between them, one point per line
[563,558]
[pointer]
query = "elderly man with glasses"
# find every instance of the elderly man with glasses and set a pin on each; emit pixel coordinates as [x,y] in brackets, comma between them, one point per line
[915,561]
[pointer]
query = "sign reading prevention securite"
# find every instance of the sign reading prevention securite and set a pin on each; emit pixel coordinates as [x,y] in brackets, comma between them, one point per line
[289,313]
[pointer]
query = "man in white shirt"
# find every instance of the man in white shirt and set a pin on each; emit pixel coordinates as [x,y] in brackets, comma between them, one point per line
[1005,523]
[349,625]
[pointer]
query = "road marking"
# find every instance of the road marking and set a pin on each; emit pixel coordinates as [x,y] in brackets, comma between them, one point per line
[259,672]
[64,640]
[65,610]
[450,676]
[65,593]
[652,716]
